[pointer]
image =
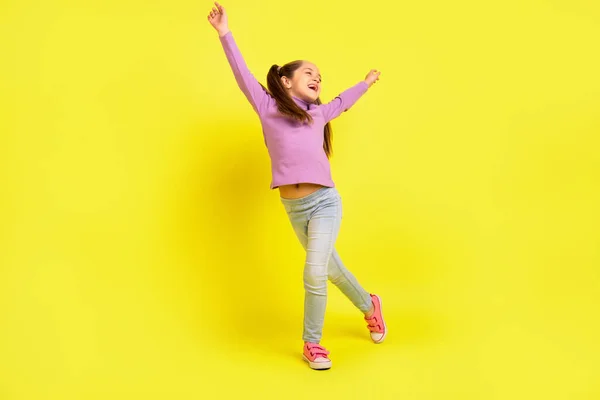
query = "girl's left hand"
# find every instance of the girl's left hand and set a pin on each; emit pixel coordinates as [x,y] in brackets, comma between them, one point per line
[372,77]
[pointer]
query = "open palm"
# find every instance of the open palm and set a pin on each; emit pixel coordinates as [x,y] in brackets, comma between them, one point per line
[218,18]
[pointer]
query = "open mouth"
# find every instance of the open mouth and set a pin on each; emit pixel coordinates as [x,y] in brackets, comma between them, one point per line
[313,87]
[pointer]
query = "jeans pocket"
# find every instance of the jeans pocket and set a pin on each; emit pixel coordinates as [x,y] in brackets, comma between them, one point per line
[287,207]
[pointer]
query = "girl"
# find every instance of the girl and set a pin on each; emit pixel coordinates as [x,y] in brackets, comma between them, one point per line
[297,134]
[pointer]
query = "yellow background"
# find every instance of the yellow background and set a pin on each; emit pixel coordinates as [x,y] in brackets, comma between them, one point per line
[142,255]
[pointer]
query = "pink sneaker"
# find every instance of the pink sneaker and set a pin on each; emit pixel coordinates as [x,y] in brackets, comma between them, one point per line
[316,356]
[376,324]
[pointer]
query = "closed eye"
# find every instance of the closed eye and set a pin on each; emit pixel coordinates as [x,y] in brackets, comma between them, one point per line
[309,72]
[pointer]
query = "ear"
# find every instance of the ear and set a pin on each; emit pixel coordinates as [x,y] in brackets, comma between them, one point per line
[286,82]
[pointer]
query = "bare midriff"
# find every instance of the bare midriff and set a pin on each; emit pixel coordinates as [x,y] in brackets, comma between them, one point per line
[298,190]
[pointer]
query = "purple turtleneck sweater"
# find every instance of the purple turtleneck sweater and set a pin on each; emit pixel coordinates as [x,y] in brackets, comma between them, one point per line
[295,148]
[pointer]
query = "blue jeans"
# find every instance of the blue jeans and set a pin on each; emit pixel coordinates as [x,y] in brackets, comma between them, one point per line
[316,219]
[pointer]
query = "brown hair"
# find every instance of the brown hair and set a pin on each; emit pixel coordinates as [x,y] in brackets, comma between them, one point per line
[287,106]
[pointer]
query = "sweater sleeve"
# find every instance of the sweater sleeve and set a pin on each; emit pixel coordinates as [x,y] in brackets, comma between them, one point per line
[252,89]
[343,101]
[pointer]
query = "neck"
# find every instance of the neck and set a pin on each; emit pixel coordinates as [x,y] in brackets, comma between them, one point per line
[302,103]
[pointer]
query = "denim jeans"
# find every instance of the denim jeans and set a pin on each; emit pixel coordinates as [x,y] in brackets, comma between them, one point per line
[316,219]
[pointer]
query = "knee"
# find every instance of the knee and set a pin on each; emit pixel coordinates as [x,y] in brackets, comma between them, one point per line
[315,281]
[336,277]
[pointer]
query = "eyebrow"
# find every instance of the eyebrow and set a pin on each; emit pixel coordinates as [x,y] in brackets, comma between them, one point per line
[312,70]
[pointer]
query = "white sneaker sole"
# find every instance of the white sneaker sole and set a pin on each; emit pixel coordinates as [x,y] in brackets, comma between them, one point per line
[317,365]
[383,321]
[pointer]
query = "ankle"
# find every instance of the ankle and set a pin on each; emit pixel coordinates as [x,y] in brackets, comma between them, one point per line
[370,313]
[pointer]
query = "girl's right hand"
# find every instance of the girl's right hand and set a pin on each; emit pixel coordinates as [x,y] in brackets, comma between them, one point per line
[218,19]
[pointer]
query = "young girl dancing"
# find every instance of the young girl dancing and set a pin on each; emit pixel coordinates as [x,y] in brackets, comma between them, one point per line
[297,133]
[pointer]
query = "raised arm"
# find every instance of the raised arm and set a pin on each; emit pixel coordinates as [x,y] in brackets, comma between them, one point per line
[252,89]
[348,97]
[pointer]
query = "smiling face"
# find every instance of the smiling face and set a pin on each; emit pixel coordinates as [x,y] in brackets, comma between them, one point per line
[305,83]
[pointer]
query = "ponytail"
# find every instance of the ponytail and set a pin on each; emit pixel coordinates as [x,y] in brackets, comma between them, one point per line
[285,104]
